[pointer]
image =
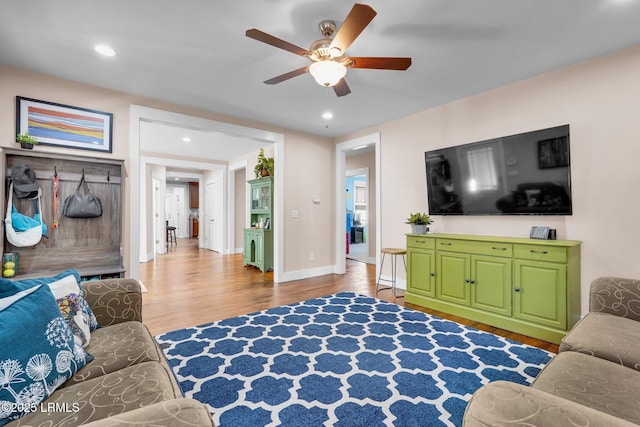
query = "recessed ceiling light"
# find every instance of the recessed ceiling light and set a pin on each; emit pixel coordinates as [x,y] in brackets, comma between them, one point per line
[328,115]
[186,139]
[105,50]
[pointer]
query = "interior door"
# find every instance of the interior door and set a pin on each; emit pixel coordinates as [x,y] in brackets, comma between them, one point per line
[181,208]
[213,216]
[169,210]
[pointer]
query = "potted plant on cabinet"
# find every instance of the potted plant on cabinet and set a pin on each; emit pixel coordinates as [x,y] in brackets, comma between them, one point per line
[27,141]
[419,222]
[264,167]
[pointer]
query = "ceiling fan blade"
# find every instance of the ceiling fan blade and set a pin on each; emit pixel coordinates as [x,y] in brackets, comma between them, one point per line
[341,88]
[356,21]
[276,42]
[287,76]
[380,63]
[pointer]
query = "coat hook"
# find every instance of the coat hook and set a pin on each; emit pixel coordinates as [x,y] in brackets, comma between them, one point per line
[108,176]
[55,171]
[82,173]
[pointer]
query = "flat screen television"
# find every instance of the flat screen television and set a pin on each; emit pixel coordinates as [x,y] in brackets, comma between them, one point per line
[524,174]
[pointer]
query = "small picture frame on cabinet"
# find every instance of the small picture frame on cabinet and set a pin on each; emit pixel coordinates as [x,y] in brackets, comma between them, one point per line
[541,233]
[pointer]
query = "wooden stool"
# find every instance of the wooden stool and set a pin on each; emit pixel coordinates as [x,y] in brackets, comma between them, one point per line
[394,252]
[171,235]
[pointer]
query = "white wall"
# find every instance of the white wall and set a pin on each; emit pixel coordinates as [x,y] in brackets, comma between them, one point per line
[599,99]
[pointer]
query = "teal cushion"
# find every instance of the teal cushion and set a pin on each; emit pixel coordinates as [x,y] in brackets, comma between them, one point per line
[8,287]
[31,369]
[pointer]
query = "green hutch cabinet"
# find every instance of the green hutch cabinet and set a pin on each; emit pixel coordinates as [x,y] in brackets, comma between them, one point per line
[258,240]
[527,286]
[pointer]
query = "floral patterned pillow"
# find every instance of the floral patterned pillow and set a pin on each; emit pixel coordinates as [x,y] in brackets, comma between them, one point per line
[31,369]
[69,296]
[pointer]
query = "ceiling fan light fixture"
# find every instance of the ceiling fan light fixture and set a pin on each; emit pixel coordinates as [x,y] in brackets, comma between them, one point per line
[327,73]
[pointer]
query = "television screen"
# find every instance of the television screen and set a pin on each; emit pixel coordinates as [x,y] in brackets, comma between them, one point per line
[523,174]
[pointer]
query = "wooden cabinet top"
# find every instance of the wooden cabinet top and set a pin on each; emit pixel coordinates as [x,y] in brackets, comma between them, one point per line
[503,239]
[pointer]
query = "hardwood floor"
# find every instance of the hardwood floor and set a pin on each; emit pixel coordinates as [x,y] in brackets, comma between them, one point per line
[189,286]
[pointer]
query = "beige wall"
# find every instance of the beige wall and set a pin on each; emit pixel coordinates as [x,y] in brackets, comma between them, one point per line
[17,82]
[309,162]
[367,160]
[599,99]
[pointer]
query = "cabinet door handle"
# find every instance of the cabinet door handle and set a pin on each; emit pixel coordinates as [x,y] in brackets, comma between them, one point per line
[516,289]
[433,274]
[533,251]
[495,248]
[421,241]
[473,282]
[446,244]
[467,281]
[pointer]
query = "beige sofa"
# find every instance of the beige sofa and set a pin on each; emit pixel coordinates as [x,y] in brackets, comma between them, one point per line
[593,381]
[128,382]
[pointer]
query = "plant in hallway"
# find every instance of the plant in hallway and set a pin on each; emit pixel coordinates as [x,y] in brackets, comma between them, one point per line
[264,167]
[26,140]
[419,222]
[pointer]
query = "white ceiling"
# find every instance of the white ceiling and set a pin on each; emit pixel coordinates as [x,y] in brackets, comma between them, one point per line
[195,143]
[195,53]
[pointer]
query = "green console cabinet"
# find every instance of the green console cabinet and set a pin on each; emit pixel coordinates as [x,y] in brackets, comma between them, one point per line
[258,240]
[527,286]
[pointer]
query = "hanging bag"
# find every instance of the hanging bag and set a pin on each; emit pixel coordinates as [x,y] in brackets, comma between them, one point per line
[82,204]
[21,230]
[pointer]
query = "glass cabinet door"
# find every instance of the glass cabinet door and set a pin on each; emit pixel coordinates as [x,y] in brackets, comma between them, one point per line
[261,198]
[265,198]
[255,198]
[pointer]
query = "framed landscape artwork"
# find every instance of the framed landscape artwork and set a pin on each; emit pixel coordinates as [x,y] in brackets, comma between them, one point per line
[64,125]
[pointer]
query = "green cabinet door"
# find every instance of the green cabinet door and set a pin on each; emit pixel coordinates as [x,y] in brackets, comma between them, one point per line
[491,284]
[540,293]
[452,281]
[253,248]
[421,267]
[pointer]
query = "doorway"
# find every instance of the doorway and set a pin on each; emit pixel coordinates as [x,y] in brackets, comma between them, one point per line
[357,204]
[166,152]
[345,150]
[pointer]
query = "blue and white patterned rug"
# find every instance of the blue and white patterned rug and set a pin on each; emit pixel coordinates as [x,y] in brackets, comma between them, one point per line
[342,360]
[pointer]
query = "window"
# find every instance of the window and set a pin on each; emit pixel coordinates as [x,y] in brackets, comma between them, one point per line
[482,170]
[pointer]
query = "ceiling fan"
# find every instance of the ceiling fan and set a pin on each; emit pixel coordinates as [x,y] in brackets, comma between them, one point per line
[327,55]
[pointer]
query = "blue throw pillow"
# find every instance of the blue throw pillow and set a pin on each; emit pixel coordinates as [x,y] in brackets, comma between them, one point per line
[31,369]
[8,287]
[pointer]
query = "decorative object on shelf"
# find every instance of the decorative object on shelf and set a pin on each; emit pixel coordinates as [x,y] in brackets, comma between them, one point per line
[419,222]
[27,141]
[541,233]
[82,204]
[64,125]
[9,264]
[264,167]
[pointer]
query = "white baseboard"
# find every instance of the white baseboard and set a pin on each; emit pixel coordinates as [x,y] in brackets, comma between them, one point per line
[305,274]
